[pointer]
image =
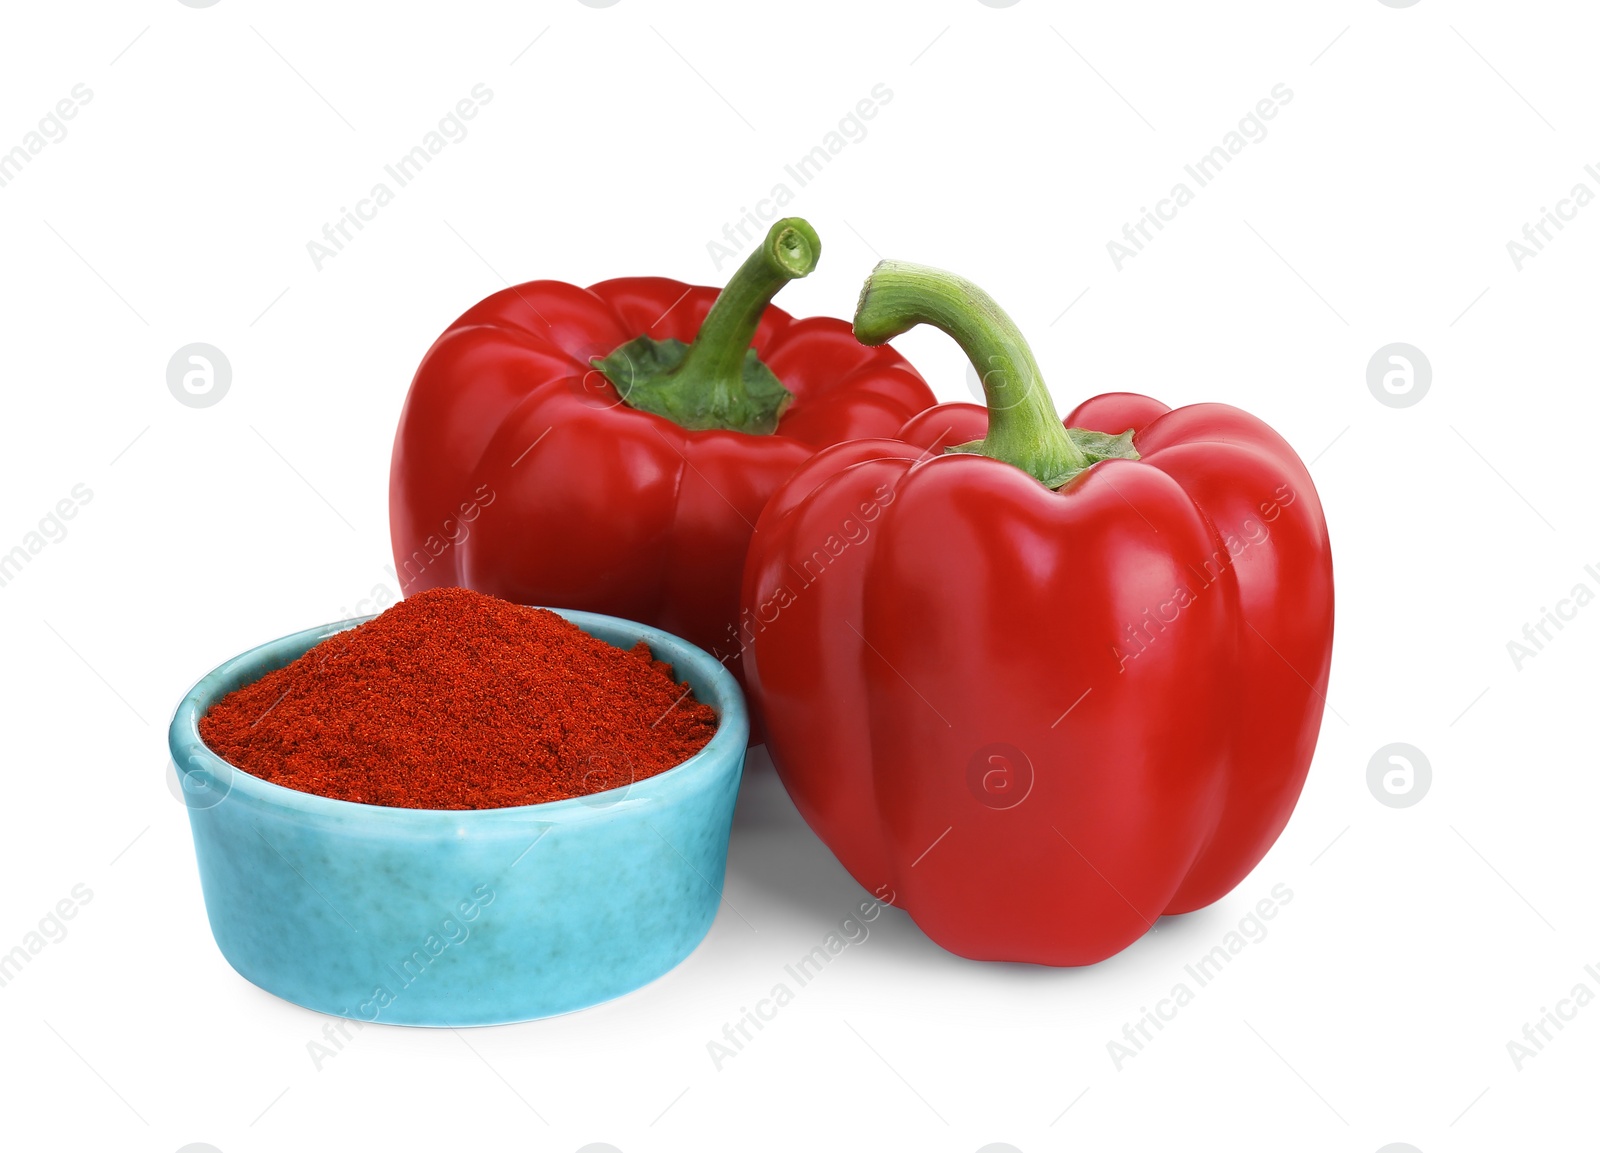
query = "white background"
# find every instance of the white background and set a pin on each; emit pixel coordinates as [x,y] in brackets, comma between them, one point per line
[1018,141]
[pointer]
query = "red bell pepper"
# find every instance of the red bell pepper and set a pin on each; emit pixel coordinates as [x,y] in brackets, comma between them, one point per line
[610,448]
[1043,684]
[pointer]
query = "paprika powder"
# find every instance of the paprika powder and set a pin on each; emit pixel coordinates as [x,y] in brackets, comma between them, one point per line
[454,699]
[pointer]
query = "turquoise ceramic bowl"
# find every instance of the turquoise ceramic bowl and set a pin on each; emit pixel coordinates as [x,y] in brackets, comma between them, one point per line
[428,917]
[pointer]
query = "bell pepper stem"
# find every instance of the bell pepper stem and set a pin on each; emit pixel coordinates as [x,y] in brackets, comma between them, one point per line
[1024,428]
[716,358]
[719,382]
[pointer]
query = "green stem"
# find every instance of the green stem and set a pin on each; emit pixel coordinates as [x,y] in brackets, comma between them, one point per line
[716,358]
[719,381]
[1024,428]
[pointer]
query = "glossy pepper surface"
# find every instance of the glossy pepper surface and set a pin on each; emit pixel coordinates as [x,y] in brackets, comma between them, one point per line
[1042,683]
[609,448]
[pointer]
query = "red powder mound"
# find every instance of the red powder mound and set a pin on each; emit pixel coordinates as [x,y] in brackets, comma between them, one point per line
[457,700]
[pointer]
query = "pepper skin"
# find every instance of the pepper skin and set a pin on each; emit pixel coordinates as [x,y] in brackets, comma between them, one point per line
[519,469]
[1041,714]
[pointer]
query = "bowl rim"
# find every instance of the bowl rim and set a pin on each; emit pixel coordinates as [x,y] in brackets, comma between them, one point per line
[190,753]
